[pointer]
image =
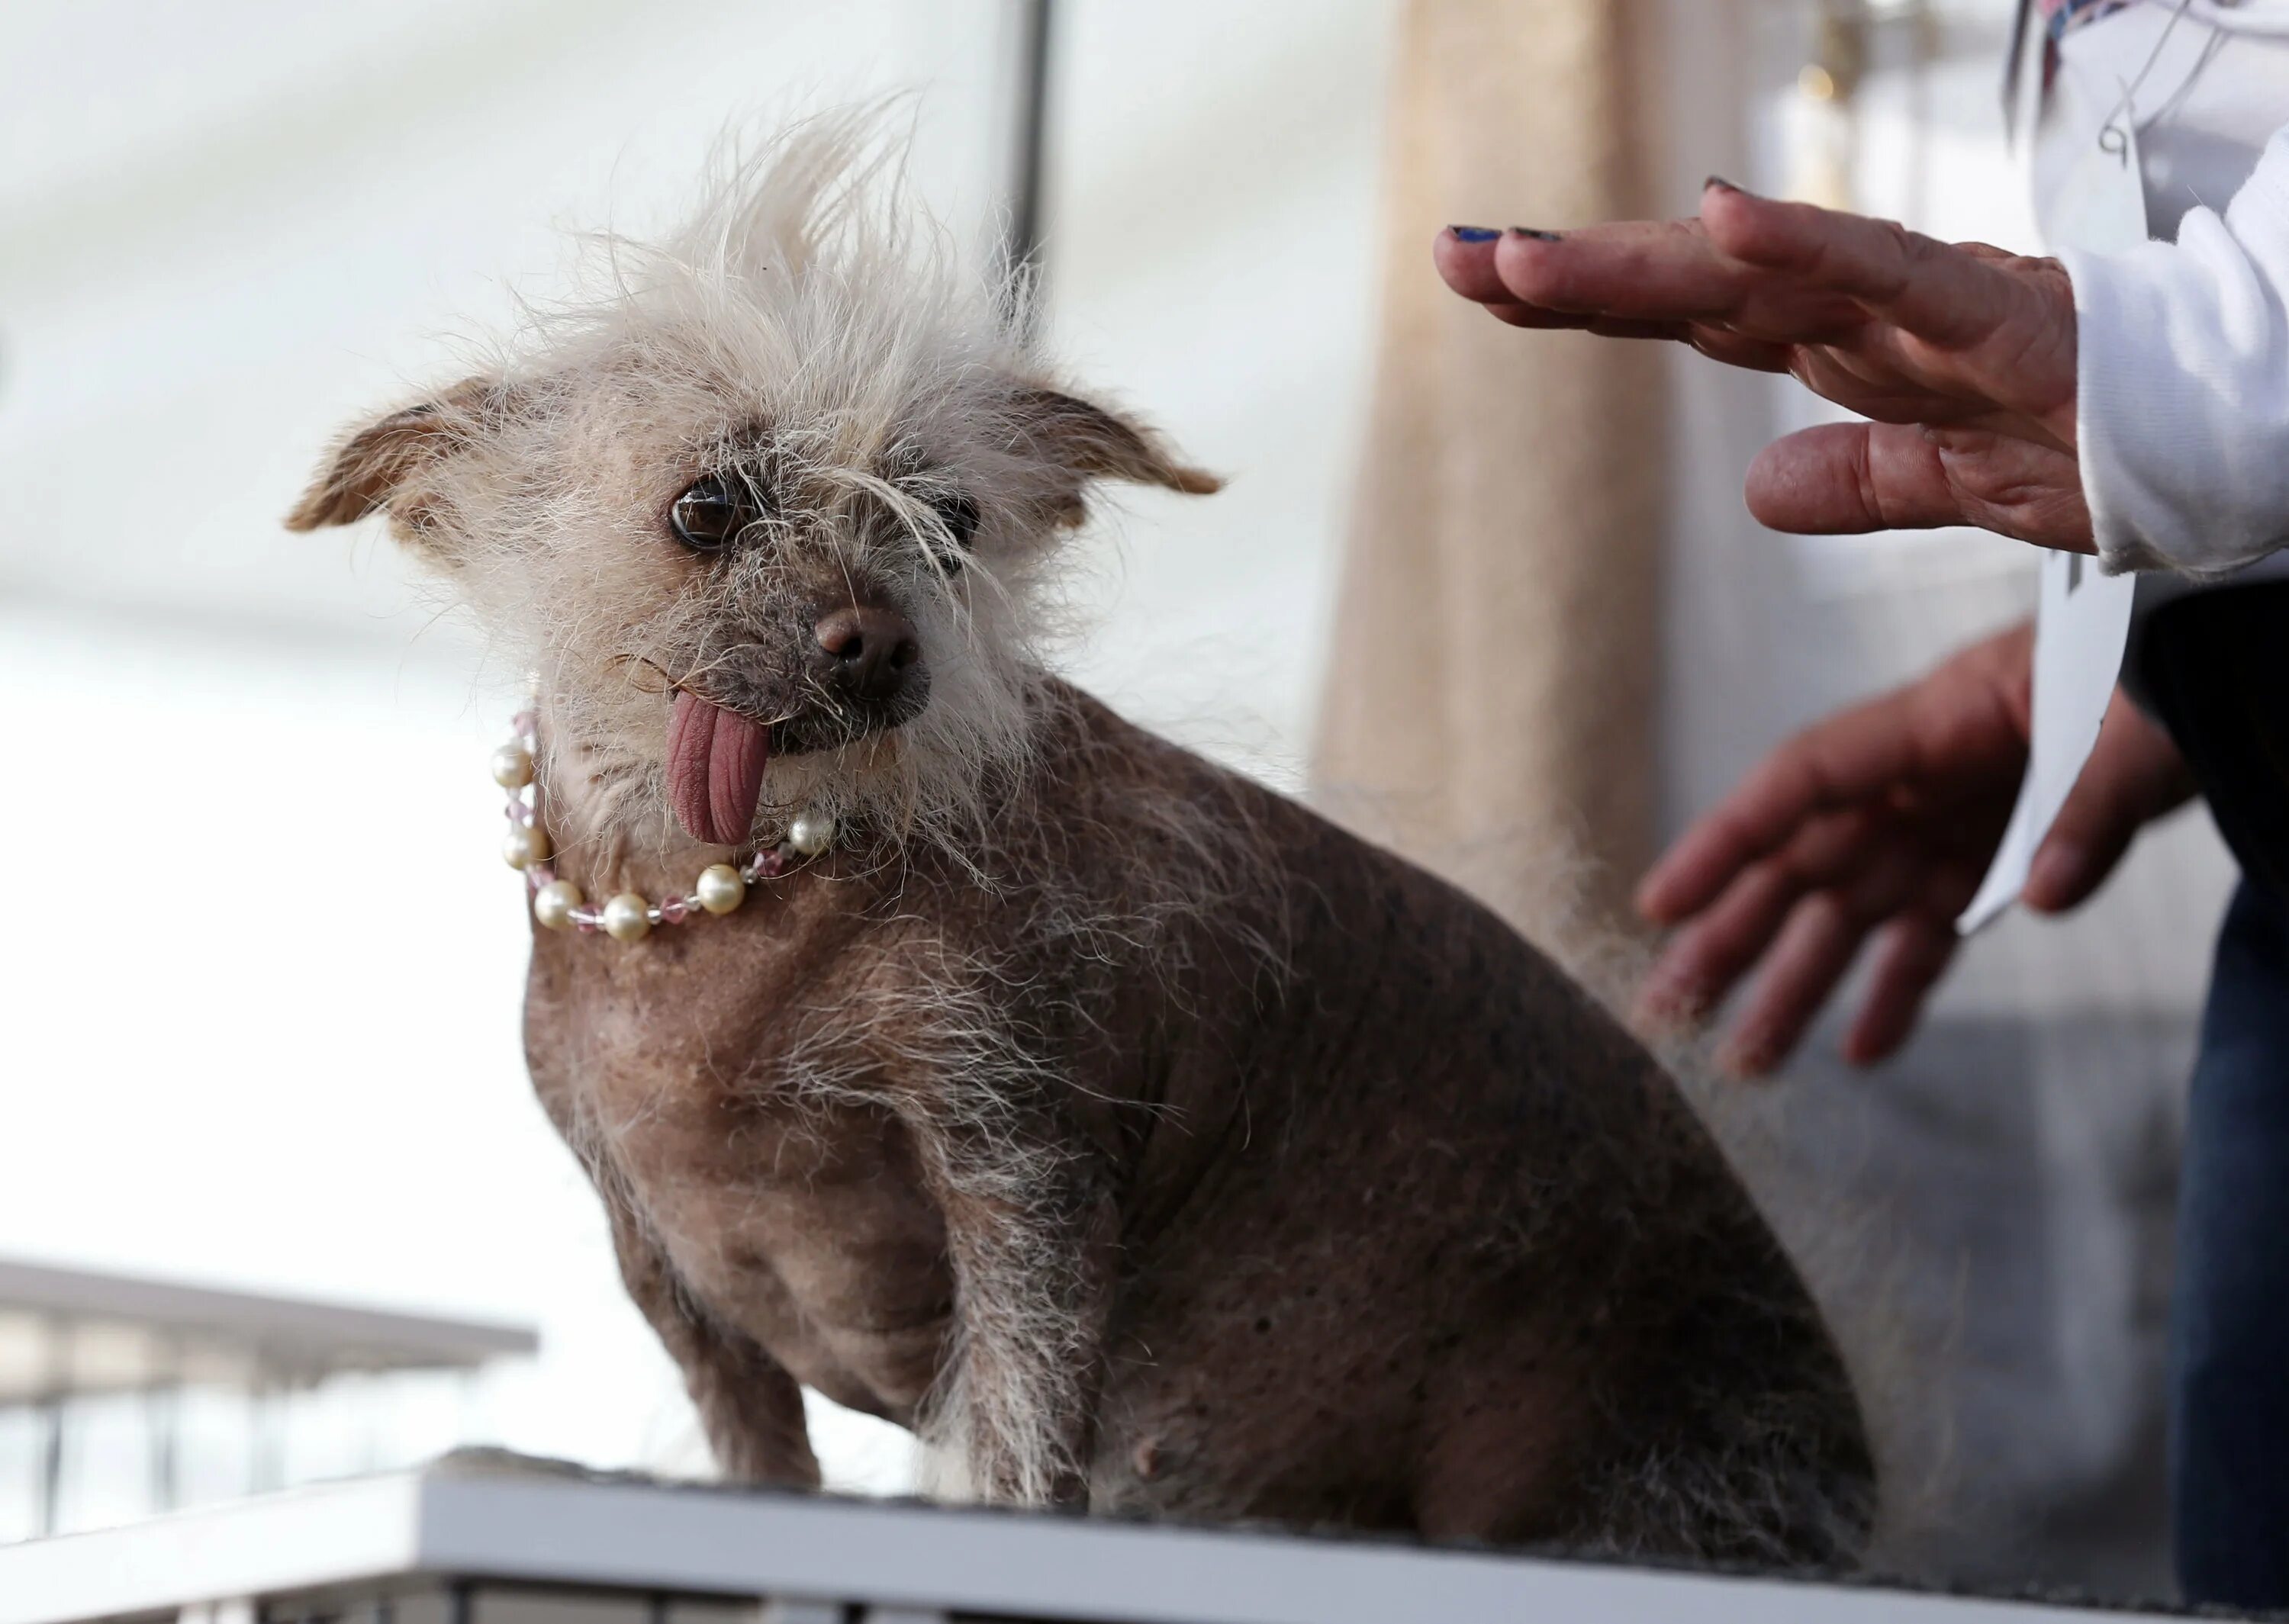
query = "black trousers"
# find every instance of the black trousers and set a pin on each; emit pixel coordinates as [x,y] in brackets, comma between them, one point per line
[2217,667]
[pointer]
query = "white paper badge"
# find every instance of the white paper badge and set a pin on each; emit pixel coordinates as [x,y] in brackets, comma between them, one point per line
[2081,619]
[2081,624]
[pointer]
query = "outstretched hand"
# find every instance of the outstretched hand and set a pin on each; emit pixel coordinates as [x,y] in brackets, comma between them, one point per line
[1882,820]
[1963,355]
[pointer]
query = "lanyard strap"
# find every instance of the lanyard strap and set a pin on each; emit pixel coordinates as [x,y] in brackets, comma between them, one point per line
[2060,17]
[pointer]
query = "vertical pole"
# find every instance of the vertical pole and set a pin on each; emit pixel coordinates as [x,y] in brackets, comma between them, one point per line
[50,1412]
[56,1386]
[265,1452]
[1029,162]
[162,1408]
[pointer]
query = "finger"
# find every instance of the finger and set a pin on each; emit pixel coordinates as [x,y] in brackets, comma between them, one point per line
[1852,755]
[1465,261]
[1911,953]
[2135,775]
[1645,270]
[1469,268]
[1739,349]
[1957,736]
[1850,477]
[1649,270]
[1662,270]
[1876,882]
[1535,316]
[1702,961]
[1941,293]
[1604,327]
[1816,948]
[2009,321]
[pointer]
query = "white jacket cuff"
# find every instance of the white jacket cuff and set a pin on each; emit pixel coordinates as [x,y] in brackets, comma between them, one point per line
[2183,398]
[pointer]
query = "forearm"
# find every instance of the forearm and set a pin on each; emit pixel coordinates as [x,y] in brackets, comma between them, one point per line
[2182,402]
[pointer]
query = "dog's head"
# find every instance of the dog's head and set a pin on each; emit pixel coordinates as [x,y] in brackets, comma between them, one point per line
[769,519]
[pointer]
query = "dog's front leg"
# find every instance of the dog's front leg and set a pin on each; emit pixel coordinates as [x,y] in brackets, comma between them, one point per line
[1033,1266]
[749,1407]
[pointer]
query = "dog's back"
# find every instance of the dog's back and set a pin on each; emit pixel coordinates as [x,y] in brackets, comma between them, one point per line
[1421,1238]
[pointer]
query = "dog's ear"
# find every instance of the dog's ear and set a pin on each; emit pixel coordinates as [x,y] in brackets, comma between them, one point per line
[385,466]
[1093,443]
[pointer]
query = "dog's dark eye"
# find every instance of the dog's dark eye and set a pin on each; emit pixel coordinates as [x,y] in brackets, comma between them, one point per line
[959,515]
[711,513]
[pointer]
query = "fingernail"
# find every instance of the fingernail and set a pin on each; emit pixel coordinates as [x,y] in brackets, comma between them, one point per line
[1539,236]
[2058,866]
[1718,183]
[1474,234]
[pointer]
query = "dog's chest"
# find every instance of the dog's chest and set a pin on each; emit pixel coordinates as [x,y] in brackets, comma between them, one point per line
[754,1138]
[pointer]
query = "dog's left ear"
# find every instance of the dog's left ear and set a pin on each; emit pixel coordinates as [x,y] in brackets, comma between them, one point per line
[1093,443]
[382,468]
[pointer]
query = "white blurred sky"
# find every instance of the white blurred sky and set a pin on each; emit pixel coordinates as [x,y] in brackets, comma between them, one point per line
[261,992]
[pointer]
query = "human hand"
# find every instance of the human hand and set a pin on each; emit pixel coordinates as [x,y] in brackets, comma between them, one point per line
[1882,819]
[1964,355]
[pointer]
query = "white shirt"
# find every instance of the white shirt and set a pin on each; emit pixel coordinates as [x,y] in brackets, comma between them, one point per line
[2183,402]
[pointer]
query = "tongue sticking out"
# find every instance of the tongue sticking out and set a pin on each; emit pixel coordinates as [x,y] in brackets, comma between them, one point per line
[715,770]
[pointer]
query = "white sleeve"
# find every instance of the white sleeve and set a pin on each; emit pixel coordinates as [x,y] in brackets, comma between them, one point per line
[2182,414]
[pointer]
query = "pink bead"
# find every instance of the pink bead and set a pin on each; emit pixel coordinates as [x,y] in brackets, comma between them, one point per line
[523,722]
[771,865]
[586,927]
[675,910]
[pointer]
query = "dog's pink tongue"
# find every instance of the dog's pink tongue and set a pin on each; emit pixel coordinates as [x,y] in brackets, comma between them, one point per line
[715,764]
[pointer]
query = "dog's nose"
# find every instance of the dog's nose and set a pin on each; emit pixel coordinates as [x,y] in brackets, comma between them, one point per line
[873,649]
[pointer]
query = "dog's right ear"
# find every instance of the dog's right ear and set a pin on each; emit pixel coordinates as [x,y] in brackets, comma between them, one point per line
[386,467]
[1086,442]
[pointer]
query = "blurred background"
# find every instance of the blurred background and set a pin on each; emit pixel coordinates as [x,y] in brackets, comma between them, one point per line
[261,983]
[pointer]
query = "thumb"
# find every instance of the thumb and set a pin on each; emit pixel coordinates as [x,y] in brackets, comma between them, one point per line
[1847,479]
[2134,776]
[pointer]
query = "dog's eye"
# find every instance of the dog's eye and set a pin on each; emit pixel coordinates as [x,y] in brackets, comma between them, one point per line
[710,513]
[959,514]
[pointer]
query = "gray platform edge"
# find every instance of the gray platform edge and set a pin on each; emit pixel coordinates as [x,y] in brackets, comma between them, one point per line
[323,1336]
[486,1519]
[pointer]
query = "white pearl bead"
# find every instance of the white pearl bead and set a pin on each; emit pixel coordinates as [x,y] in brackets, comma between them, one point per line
[720,889]
[512,766]
[625,920]
[524,845]
[554,903]
[811,832]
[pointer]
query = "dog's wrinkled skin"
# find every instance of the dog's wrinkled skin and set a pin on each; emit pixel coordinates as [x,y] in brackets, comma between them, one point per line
[1140,1138]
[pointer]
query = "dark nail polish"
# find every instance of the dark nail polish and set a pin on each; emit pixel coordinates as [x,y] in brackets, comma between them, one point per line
[1720,184]
[1474,234]
[1539,236]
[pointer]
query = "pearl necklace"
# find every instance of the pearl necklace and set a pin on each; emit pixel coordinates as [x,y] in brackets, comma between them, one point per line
[629,917]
